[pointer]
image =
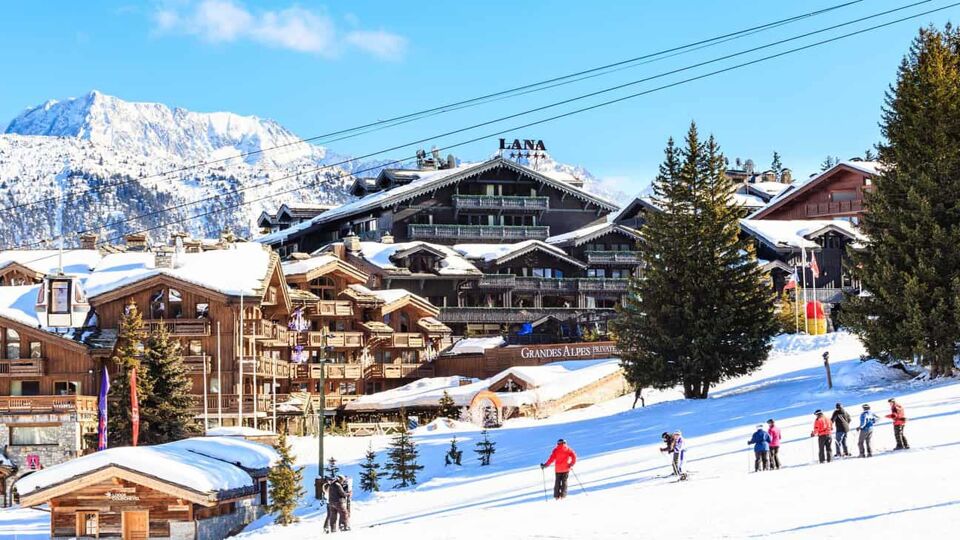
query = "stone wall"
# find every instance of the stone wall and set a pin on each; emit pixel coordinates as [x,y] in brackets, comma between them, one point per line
[610,387]
[69,433]
[220,527]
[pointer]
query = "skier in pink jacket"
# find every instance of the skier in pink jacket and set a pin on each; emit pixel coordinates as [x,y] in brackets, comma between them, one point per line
[774,432]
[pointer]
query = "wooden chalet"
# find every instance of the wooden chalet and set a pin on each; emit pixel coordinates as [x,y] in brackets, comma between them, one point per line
[191,489]
[290,214]
[837,193]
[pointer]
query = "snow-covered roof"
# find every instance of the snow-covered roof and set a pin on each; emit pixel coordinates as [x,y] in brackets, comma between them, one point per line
[504,252]
[871,168]
[380,255]
[387,296]
[770,188]
[798,233]
[476,345]
[589,232]
[546,382]
[424,181]
[292,268]
[239,269]
[19,304]
[205,465]
[238,431]
[746,200]
[77,262]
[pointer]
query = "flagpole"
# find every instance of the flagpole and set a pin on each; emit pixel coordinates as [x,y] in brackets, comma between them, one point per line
[219,382]
[206,407]
[814,275]
[806,321]
[796,301]
[240,363]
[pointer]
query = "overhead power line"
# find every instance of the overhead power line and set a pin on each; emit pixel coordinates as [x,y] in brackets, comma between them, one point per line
[487,98]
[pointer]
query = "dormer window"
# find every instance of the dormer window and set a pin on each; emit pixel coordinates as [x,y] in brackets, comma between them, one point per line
[324,287]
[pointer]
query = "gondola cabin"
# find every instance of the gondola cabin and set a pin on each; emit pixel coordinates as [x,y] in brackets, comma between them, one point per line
[61,302]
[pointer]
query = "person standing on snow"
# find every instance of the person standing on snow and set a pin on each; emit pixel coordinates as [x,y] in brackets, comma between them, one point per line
[774,433]
[337,516]
[563,459]
[867,420]
[841,421]
[761,448]
[675,446]
[899,421]
[823,429]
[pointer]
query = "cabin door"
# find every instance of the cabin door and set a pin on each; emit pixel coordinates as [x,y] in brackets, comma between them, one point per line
[136,525]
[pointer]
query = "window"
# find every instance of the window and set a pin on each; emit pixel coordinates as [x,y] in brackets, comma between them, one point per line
[348,388]
[410,357]
[383,357]
[176,303]
[195,347]
[404,323]
[620,273]
[13,344]
[34,435]
[214,384]
[36,349]
[596,272]
[845,195]
[203,310]
[66,388]
[158,309]
[88,524]
[324,288]
[59,296]
[24,388]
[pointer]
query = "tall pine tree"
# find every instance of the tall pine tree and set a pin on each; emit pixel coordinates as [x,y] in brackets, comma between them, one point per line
[286,487]
[911,265]
[403,466]
[168,407]
[448,408]
[370,475]
[128,355]
[777,165]
[702,310]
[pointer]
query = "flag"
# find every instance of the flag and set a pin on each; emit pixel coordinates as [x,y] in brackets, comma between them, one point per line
[792,282]
[814,267]
[134,407]
[102,410]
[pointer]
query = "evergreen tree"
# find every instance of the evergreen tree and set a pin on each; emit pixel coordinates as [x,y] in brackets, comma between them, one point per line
[788,316]
[829,162]
[332,469]
[777,166]
[128,355]
[402,464]
[168,407]
[911,264]
[702,311]
[869,155]
[370,477]
[448,409]
[285,480]
[485,448]
[454,454]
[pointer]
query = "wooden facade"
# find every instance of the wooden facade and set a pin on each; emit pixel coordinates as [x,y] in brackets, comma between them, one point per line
[837,193]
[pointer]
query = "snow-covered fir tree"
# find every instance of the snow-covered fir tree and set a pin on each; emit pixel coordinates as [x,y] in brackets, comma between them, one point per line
[448,408]
[402,456]
[167,409]
[285,484]
[485,448]
[128,356]
[370,472]
[454,454]
[702,311]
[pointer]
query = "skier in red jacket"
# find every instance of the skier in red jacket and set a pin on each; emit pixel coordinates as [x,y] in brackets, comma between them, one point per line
[899,421]
[823,431]
[563,459]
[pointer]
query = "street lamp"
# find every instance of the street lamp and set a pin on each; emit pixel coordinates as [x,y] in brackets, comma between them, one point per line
[324,349]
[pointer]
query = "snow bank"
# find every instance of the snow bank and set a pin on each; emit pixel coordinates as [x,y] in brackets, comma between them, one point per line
[444,425]
[238,431]
[866,374]
[476,345]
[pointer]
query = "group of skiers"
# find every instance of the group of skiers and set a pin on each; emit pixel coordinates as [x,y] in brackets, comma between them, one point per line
[766,447]
[337,492]
[840,422]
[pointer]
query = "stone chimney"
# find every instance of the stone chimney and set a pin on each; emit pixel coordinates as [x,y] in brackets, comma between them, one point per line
[299,256]
[387,238]
[163,258]
[352,243]
[88,241]
[136,241]
[786,176]
[191,245]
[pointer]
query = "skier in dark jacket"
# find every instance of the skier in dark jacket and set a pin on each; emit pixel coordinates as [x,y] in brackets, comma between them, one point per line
[761,448]
[675,447]
[841,424]
[337,498]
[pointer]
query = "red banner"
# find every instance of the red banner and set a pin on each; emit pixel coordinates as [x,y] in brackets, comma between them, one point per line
[134,407]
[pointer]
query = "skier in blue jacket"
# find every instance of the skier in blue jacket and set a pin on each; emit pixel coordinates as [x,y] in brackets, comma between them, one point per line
[867,421]
[761,448]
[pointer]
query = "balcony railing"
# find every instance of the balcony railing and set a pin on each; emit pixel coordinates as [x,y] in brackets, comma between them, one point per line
[333,371]
[36,404]
[331,308]
[837,207]
[500,202]
[492,281]
[266,366]
[613,257]
[230,402]
[272,334]
[335,339]
[477,232]
[180,327]
[196,365]
[829,295]
[24,367]
[570,284]
[335,402]
[399,371]
[516,314]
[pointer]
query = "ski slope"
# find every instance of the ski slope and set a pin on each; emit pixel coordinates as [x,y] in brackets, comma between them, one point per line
[911,494]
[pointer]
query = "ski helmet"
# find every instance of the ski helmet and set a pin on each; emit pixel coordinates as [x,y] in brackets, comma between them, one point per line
[866,406]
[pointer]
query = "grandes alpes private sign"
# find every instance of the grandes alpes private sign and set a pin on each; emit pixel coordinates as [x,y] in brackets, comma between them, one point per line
[562,352]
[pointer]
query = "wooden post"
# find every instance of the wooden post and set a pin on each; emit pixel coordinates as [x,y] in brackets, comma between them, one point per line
[826,365]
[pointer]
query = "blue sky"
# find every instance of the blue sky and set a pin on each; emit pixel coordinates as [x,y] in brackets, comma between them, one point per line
[318,67]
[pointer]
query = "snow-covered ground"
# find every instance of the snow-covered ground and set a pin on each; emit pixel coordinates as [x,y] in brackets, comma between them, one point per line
[909,494]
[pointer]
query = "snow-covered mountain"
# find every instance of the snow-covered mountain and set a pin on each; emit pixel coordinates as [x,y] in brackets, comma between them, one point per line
[67,154]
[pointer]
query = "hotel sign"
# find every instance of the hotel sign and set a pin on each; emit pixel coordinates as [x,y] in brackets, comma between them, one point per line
[563,352]
[121,497]
[535,145]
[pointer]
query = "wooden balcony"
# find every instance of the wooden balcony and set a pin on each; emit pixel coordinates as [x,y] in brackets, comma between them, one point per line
[613,257]
[272,334]
[570,284]
[230,402]
[834,208]
[399,371]
[500,203]
[331,371]
[492,281]
[266,367]
[491,233]
[197,365]
[24,367]
[180,327]
[335,402]
[505,315]
[406,340]
[331,308]
[335,339]
[48,404]
[618,285]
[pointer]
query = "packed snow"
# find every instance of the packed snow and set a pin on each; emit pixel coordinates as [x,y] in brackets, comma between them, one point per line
[381,255]
[797,233]
[475,345]
[504,252]
[76,262]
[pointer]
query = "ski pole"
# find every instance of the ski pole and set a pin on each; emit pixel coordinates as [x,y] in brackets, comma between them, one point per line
[544,476]
[578,481]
